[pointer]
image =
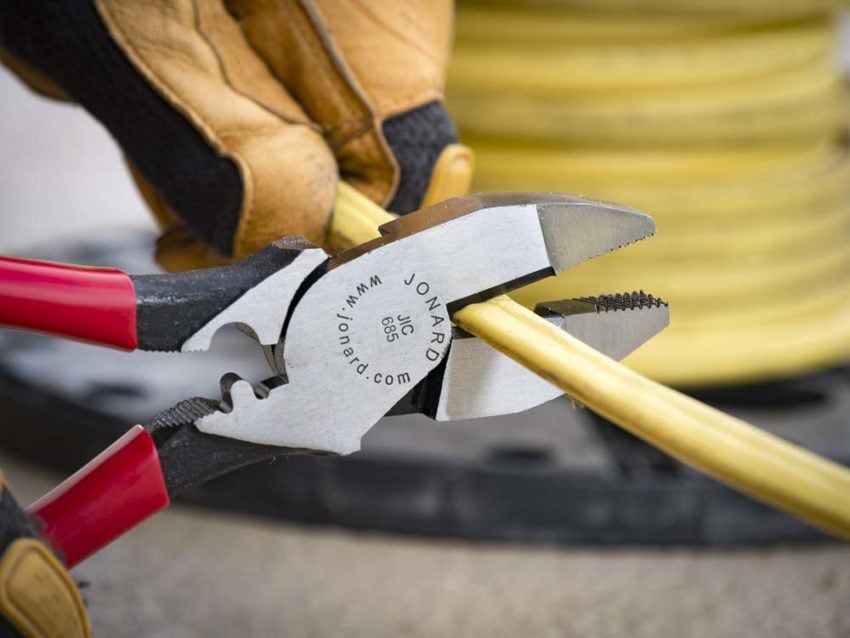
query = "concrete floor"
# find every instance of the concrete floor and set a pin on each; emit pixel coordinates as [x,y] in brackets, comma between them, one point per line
[194,573]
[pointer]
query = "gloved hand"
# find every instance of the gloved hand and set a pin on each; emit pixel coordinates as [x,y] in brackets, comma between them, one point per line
[38,598]
[238,120]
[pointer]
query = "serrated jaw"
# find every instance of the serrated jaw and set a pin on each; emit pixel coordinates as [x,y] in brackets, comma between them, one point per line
[615,324]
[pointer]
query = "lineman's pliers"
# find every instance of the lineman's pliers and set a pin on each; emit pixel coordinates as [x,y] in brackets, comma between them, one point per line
[349,338]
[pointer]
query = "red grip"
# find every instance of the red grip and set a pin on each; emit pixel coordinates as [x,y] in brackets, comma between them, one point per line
[114,492]
[91,304]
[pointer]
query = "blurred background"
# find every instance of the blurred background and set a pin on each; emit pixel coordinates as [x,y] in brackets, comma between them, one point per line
[724,120]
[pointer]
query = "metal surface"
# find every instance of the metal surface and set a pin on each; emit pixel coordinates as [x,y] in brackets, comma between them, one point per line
[480,381]
[377,323]
[615,324]
[263,308]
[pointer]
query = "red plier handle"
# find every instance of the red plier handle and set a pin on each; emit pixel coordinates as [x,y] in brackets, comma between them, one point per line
[113,493]
[90,304]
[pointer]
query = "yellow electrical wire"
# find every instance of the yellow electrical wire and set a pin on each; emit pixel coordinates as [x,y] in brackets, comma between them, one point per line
[736,453]
[723,120]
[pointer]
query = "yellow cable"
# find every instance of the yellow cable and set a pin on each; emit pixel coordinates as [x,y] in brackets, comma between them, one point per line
[734,452]
[355,220]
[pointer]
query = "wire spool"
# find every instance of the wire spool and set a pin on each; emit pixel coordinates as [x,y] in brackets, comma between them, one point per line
[723,120]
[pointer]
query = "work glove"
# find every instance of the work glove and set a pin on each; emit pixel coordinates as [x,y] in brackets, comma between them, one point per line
[38,598]
[238,118]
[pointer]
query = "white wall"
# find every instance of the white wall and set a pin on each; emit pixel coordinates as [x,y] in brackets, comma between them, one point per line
[60,173]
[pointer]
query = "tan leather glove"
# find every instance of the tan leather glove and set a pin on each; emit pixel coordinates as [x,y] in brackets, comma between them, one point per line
[238,120]
[38,598]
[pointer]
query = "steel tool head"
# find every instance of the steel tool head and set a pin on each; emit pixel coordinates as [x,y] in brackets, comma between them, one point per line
[614,324]
[487,244]
[376,321]
[476,380]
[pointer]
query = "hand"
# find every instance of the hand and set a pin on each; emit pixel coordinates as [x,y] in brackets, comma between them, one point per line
[238,120]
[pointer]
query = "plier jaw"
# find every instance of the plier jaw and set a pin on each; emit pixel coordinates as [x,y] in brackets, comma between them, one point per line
[615,325]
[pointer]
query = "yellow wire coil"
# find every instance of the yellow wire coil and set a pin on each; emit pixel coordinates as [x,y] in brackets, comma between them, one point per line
[723,120]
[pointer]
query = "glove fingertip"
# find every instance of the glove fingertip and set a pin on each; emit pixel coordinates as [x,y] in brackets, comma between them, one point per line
[452,174]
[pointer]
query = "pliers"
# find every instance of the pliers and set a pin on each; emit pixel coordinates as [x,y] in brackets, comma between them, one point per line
[349,338]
